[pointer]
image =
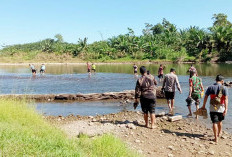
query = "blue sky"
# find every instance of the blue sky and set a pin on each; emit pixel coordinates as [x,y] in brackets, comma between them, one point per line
[24,21]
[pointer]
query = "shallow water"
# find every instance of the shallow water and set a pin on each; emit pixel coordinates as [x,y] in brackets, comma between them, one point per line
[109,78]
[87,108]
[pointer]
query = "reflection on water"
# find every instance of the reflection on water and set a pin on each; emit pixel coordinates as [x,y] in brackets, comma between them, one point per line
[203,69]
[109,78]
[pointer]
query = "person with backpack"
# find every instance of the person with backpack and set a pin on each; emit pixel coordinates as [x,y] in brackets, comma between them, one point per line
[195,89]
[145,90]
[218,104]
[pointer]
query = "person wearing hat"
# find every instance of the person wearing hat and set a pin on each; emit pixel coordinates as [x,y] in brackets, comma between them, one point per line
[169,87]
[145,89]
[218,104]
[195,89]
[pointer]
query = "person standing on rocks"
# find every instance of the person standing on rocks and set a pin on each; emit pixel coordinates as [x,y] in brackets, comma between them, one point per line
[145,89]
[169,84]
[195,89]
[218,104]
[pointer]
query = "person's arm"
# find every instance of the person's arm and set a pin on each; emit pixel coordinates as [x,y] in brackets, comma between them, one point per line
[137,91]
[226,100]
[205,100]
[202,88]
[178,84]
[165,79]
[190,87]
[226,105]
[155,82]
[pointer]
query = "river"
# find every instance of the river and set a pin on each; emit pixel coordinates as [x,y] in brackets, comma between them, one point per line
[72,78]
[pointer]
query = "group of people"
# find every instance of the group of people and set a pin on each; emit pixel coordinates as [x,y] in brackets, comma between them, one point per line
[91,67]
[33,69]
[145,89]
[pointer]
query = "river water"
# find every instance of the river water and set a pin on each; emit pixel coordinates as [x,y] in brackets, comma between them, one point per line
[69,78]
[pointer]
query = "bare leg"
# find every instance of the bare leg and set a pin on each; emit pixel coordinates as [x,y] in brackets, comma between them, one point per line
[197,107]
[153,120]
[169,105]
[172,106]
[215,131]
[190,112]
[146,119]
[219,128]
[172,103]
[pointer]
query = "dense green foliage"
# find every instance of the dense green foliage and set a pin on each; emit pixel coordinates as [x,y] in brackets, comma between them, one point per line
[25,133]
[160,41]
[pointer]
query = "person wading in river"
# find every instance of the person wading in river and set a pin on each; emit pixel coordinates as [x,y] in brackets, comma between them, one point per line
[169,84]
[190,70]
[161,72]
[135,69]
[218,104]
[195,89]
[88,68]
[145,89]
[33,70]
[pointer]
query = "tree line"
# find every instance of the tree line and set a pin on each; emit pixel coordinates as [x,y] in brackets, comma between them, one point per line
[162,41]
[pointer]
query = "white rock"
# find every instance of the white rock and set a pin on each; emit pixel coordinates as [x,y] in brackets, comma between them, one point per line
[137,141]
[170,155]
[171,148]
[211,152]
[175,118]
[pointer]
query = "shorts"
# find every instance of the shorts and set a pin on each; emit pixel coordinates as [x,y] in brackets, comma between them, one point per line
[42,71]
[161,76]
[33,71]
[135,72]
[88,71]
[169,95]
[216,117]
[196,98]
[148,105]
[94,70]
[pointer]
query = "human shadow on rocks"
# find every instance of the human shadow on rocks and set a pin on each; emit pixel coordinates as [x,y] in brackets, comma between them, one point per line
[183,134]
[126,122]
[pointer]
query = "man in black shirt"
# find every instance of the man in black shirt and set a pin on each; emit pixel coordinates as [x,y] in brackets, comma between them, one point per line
[145,89]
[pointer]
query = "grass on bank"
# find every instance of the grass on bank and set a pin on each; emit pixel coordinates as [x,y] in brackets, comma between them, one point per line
[23,132]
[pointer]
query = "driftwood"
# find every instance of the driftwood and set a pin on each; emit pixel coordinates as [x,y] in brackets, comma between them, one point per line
[124,95]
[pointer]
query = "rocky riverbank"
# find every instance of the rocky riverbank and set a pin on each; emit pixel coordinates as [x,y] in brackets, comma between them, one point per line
[124,95]
[186,137]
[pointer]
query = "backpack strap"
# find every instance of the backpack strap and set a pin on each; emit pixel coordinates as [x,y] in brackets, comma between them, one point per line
[220,91]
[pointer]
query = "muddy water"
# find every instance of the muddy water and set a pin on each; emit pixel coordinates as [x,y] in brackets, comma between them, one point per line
[17,79]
